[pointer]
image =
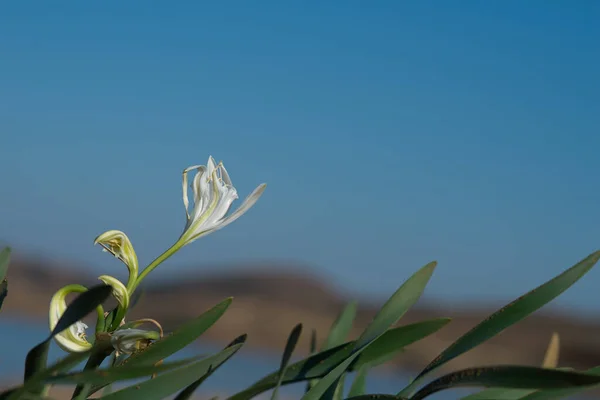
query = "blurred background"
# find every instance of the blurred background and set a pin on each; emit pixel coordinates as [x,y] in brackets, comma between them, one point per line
[390,134]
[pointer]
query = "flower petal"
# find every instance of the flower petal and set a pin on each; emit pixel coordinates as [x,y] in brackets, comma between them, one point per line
[245,206]
[211,165]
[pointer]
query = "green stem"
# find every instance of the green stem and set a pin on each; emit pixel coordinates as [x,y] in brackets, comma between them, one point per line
[102,350]
[100,320]
[119,315]
[168,253]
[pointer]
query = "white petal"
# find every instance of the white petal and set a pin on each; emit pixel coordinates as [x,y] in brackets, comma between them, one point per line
[211,165]
[226,177]
[197,189]
[245,206]
[227,197]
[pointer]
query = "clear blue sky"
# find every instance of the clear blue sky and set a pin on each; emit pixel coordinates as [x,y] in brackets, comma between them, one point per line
[390,134]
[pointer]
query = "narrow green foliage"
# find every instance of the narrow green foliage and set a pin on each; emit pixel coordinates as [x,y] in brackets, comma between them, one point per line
[341,327]
[180,338]
[400,302]
[359,385]
[102,376]
[554,394]
[313,350]
[499,394]
[176,341]
[517,377]
[187,393]
[318,365]
[290,346]
[170,382]
[509,315]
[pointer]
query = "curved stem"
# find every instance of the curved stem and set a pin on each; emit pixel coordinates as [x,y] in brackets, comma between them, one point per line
[168,253]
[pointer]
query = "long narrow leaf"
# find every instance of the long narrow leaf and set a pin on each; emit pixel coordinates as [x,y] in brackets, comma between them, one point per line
[508,315]
[398,304]
[517,377]
[187,393]
[318,365]
[177,340]
[290,346]
[554,394]
[359,384]
[341,327]
[313,350]
[169,383]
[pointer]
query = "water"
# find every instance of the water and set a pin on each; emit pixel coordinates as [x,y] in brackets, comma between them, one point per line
[237,374]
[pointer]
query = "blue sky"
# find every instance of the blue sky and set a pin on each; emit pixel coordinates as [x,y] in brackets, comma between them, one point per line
[390,134]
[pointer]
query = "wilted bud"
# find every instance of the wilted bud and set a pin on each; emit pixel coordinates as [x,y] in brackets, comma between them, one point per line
[73,338]
[118,244]
[127,341]
[119,291]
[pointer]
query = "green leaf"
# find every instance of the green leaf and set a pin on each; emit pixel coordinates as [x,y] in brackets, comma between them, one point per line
[97,356]
[400,302]
[320,364]
[395,308]
[553,394]
[317,392]
[180,338]
[81,306]
[170,382]
[63,365]
[395,340]
[359,385]
[338,334]
[4,261]
[340,329]
[375,397]
[499,394]
[517,377]
[187,393]
[101,376]
[509,315]
[336,390]
[290,346]
[176,341]
[313,350]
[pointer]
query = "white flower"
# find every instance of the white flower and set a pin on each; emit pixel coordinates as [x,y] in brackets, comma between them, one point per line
[213,195]
[72,339]
[128,340]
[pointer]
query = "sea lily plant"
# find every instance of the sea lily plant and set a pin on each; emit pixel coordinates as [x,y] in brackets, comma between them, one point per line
[213,194]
